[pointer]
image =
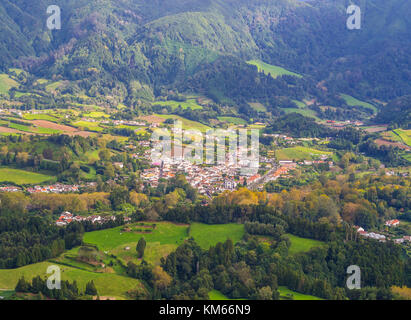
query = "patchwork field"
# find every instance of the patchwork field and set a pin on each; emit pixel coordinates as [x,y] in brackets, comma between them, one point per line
[209,235]
[299,244]
[21,177]
[300,153]
[104,281]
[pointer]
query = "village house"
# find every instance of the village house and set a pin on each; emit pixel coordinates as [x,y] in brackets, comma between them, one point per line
[392,223]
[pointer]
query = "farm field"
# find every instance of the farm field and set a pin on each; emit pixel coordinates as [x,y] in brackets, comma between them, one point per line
[92,126]
[6,83]
[103,281]
[351,101]
[189,103]
[299,244]
[233,120]
[285,293]
[303,111]
[21,177]
[97,114]
[404,135]
[258,106]
[187,124]
[41,116]
[275,71]
[209,235]
[300,153]
[164,233]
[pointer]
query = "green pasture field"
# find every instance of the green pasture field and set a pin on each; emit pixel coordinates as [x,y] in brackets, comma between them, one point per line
[300,153]
[164,233]
[233,120]
[91,126]
[21,177]
[189,103]
[299,244]
[284,291]
[258,106]
[6,83]
[41,116]
[107,284]
[97,114]
[305,112]
[351,101]
[209,235]
[187,124]
[275,71]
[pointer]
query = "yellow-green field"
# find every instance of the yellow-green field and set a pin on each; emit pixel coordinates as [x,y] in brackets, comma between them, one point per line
[300,153]
[233,120]
[274,71]
[97,114]
[6,83]
[23,177]
[404,135]
[90,126]
[187,124]
[107,284]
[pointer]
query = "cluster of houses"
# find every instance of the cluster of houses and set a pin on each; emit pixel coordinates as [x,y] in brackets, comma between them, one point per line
[56,188]
[381,237]
[67,218]
[206,179]
[124,123]
[10,189]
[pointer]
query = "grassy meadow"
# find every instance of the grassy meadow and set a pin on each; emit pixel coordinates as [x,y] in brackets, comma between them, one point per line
[6,83]
[21,177]
[209,235]
[299,244]
[351,101]
[104,281]
[287,294]
[274,71]
[300,153]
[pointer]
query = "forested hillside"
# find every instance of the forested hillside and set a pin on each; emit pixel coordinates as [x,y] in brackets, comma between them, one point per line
[113,47]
